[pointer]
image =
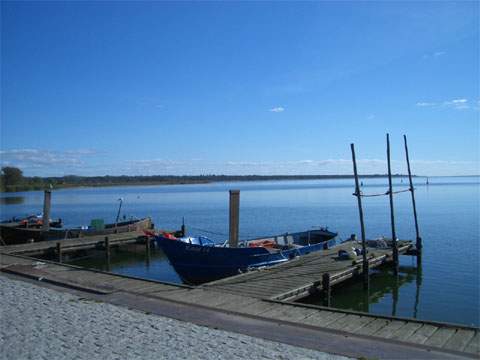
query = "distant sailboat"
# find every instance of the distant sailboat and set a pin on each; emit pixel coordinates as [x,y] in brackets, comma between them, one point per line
[427,181]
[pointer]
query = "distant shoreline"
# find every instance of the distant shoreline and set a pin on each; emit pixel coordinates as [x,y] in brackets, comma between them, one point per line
[37,183]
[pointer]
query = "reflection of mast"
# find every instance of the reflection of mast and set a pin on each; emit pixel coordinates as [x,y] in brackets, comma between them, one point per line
[366,301]
[395,296]
[418,282]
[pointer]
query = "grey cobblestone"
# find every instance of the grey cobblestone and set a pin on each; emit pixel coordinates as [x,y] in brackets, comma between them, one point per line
[41,323]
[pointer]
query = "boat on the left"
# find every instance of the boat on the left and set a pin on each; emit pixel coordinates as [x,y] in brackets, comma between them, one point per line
[12,235]
[31,221]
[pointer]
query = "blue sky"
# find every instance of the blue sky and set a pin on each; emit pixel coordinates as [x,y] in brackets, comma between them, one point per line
[95,88]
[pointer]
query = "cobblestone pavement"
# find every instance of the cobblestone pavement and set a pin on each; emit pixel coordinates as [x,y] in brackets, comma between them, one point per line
[41,323]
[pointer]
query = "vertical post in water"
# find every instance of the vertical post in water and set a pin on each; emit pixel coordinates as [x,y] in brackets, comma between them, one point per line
[59,252]
[412,191]
[357,193]
[234,218]
[147,249]
[107,252]
[47,198]
[327,289]
[118,213]
[184,230]
[392,214]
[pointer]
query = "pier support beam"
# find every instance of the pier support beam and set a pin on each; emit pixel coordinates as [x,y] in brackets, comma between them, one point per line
[59,252]
[419,244]
[183,229]
[392,213]
[147,249]
[47,199]
[327,289]
[107,252]
[234,218]
[366,280]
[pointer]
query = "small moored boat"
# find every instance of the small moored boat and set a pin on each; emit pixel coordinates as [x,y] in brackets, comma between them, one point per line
[19,235]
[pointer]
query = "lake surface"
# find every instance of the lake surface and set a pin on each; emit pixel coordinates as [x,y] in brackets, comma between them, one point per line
[446,288]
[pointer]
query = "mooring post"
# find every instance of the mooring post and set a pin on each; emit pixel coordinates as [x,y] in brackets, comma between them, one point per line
[107,252]
[327,289]
[366,281]
[184,230]
[59,252]
[47,198]
[147,248]
[234,218]
[419,245]
[392,214]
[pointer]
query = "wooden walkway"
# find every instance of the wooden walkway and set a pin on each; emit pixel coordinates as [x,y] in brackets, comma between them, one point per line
[302,276]
[431,336]
[87,242]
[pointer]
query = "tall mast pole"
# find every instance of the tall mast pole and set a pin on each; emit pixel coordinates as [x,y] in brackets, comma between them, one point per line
[392,215]
[412,191]
[366,282]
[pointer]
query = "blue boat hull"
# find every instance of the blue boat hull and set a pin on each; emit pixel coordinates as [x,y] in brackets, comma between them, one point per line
[199,264]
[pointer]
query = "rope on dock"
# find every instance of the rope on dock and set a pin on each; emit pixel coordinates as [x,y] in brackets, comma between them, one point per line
[382,194]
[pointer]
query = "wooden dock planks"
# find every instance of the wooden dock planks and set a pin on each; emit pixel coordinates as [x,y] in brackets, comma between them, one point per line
[241,298]
[293,279]
[72,244]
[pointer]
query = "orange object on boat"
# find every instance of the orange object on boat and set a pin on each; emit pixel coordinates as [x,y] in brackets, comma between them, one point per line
[169,236]
[262,243]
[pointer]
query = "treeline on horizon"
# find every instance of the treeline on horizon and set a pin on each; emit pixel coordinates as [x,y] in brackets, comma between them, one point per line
[12,179]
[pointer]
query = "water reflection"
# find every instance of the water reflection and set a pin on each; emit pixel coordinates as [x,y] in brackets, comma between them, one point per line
[132,260]
[418,283]
[12,200]
[383,284]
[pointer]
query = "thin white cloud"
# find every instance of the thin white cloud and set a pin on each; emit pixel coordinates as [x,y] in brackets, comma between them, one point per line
[277,109]
[425,104]
[82,162]
[44,158]
[457,104]
[435,54]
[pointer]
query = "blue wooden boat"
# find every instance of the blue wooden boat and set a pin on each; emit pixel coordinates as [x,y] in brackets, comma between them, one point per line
[199,260]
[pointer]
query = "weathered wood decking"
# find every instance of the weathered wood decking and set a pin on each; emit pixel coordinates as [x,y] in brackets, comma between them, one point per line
[303,275]
[87,242]
[449,338]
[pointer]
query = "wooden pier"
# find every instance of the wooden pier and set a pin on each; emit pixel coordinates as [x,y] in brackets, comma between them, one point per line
[305,275]
[71,245]
[265,295]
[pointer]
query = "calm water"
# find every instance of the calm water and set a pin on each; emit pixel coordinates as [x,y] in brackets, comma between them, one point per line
[446,289]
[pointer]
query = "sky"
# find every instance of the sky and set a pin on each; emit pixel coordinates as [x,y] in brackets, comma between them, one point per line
[186,88]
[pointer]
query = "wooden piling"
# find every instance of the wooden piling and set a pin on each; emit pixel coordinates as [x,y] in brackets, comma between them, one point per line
[59,252]
[107,252]
[47,198]
[366,280]
[183,229]
[234,217]
[412,191]
[147,249]
[392,213]
[327,289]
